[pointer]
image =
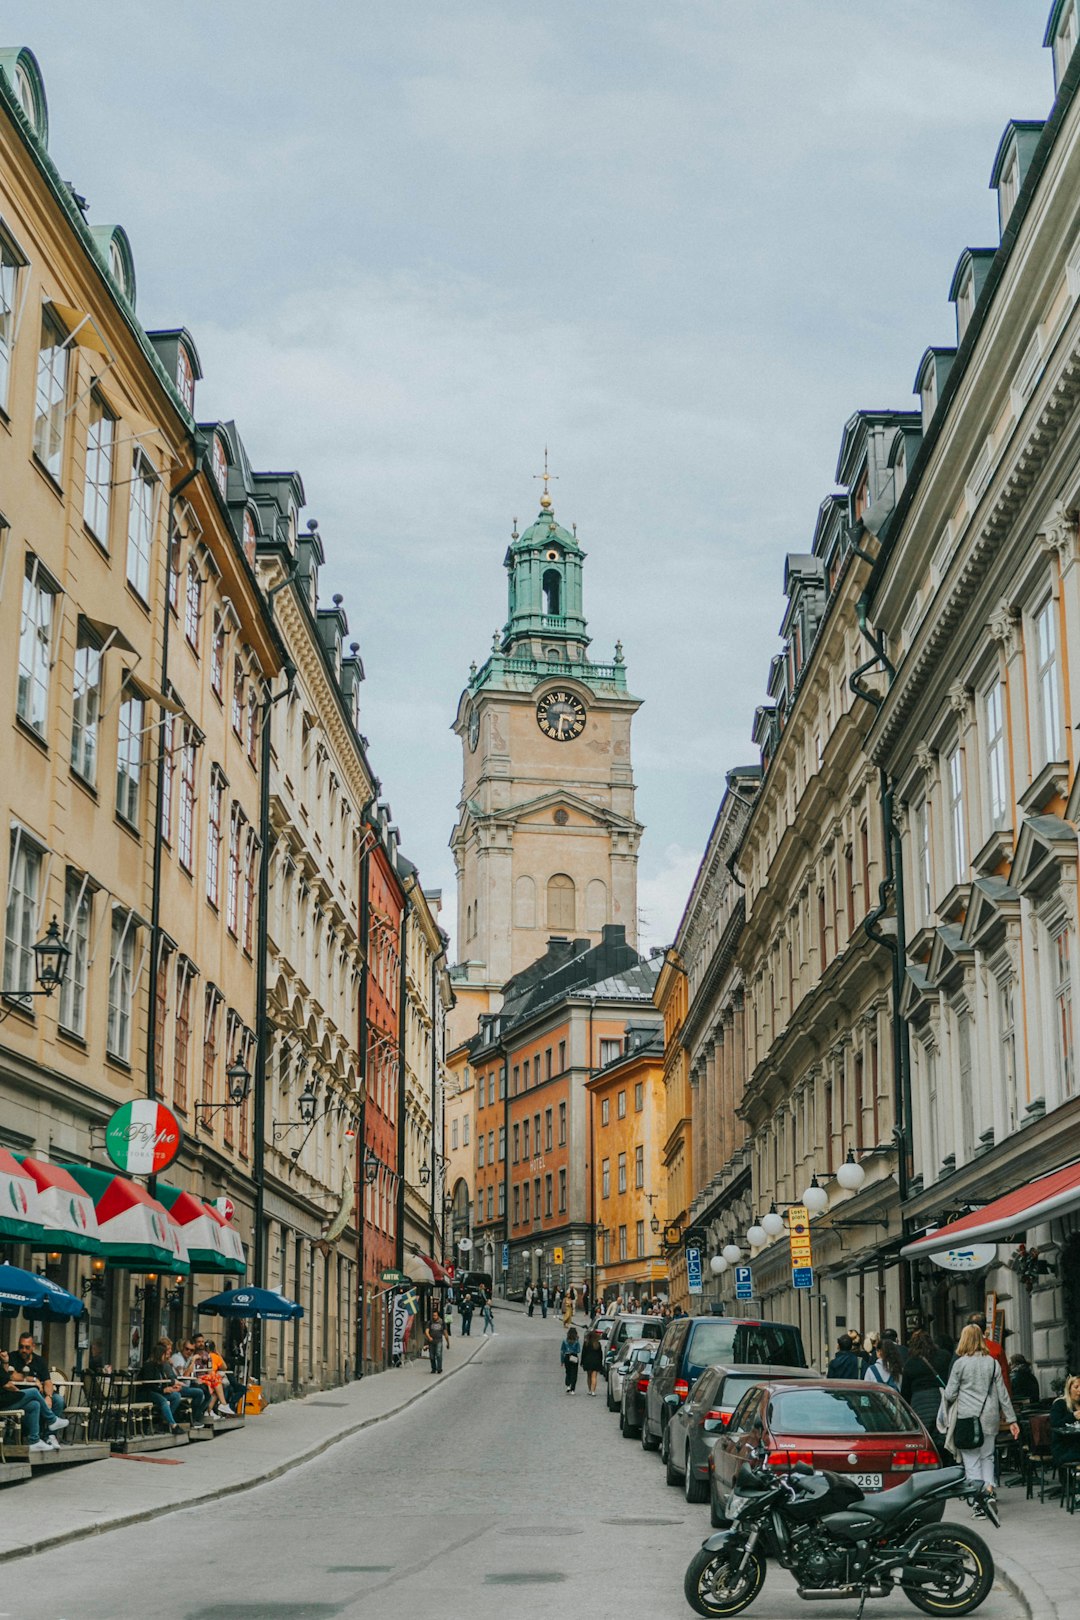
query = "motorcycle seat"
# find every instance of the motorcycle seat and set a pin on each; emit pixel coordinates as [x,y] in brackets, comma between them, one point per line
[886,1504]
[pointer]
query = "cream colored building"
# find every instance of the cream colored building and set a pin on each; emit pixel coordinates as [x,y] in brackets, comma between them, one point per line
[427,986]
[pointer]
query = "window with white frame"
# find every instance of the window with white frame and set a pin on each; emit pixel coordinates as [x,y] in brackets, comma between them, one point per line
[20,927]
[185,377]
[931,1135]
[929,392]
[965,301]
[965,1087]
[639,1165]
[78,905]
[215,804]
[480,1151]
[232,884]
[129,756]
[251,862]
[1006,1032]
[640,1239]
[97,490]
[922,859]
[168,776]
[217,656]
[35,646]
[221,465]
[1008,188]
[186,816]
[11,267]
[622,1172]
[51,395]
[605,1178]
[125,935]
[86,704]
[1064,40]
[193,603]
[995,744]
[140,525]
[622,1243]
[1063,1021]
[1047,683]
[954,784]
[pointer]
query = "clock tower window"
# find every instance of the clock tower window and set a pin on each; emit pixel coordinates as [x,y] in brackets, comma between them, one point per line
[552,593]
[561,908]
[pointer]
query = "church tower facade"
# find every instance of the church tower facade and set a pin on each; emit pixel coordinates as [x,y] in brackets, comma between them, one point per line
[546,840]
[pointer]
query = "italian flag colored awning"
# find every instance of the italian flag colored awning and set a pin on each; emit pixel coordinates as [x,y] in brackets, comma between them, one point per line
[231,1241]
[20,1208]
[204,1233]
[135,1231]
[67,1210]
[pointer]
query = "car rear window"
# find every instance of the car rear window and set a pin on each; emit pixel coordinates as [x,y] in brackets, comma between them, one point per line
[734,1389]
[755,1342]
[838,1411]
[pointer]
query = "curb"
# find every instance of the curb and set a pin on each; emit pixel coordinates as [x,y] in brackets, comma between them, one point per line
[123,1521]
[1035,1601]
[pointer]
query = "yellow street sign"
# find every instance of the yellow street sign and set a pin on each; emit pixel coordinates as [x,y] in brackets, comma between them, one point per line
[557,1256]
[799,1236]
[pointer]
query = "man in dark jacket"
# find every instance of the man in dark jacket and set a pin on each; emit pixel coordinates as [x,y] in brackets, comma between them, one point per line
[845,1363]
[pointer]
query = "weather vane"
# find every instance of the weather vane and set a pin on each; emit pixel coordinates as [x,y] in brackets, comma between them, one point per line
[545,499]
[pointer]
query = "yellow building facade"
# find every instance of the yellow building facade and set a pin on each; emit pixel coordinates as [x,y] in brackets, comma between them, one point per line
[627,1130]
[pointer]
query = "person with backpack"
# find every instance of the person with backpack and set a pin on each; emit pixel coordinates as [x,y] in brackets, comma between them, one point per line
[923,1379]
[885,1367]
[976,1402]
[570,1356]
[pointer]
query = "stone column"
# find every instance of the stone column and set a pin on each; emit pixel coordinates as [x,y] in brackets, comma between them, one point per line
[712,1122]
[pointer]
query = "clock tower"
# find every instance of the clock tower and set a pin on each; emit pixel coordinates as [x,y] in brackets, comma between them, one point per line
[546,839]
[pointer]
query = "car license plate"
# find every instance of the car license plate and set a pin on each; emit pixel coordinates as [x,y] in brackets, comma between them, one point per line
[866,1482]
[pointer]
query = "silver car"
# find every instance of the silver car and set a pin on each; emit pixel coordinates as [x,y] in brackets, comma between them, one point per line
[635,1354]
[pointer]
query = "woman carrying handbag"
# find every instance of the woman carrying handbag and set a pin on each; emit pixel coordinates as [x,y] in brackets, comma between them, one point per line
[976,1401]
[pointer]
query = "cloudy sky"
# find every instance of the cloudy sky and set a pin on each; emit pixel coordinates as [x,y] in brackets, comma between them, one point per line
[679,243]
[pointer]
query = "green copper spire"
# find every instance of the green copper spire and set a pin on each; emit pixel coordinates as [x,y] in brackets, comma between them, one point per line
[545,595]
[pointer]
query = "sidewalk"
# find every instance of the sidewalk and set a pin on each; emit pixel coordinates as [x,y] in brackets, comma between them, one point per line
[61,1505]
[1036,1553]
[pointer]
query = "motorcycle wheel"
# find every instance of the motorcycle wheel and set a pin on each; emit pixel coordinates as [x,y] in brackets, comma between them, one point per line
[974,1579]
[711,1586]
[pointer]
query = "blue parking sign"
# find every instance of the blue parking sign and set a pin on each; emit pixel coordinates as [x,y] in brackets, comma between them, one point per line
[802,1276]
[744,1283]
[693,1271]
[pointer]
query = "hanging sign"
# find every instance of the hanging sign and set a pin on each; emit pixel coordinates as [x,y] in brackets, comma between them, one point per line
[143,1137]
[799,1239]
[225,1208]
[693,1271]
[966,1257]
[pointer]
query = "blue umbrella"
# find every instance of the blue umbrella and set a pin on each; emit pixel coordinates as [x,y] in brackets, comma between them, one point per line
[37,1296]
[263,1302]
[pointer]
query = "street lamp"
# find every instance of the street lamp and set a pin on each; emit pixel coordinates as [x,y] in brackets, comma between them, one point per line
[756,1236]
[306,1103]
[850,1174]
[718,1265]
[238,1085]
[815,1199]
[51,957]
[773,1222]
[731,1252]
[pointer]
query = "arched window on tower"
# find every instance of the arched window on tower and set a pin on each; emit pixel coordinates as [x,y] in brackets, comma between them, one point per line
[552,592]
[561,910]
[524,903]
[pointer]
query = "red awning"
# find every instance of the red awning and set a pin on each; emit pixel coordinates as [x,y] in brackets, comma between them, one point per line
[1042,1200]
[436,1270]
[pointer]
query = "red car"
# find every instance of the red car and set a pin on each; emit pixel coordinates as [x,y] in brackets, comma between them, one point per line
[862,1430]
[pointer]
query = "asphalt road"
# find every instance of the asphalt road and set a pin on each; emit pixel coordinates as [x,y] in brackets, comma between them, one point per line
[496,1494]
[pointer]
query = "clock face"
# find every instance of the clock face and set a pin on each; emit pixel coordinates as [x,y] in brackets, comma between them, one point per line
[474,728]
[561,716]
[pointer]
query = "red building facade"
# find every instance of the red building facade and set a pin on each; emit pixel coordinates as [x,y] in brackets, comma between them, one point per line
[380,1167]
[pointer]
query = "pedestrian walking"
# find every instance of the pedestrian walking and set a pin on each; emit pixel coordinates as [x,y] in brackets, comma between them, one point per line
[845,1363]
[583,1302]
[993,1348]
[530,1297]
[1025,1385]
[922,1379]
[435,1337]
[568,1308]
[466,1316]
[543,1301]
[570,1356]
[894,1338]
[975,1403]
[592,1359]
[489,1319]
[885,1367]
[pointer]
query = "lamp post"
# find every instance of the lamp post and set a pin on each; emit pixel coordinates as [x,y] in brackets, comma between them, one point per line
[51,957]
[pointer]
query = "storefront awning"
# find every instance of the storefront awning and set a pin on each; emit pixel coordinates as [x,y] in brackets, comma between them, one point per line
[204,1231]
[136,1233]
[231,1240]
[437,1271]
[421,1268]
[20,1207]
[67,1210]
[1042,1200]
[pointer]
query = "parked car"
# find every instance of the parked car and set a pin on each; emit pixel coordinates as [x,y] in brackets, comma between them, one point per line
[626,1328]
[640,1358]
[695,1426]
[864,1431]
[622,1366]
[693,1343]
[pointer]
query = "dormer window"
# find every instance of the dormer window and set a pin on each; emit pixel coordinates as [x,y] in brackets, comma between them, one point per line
[249,537]
[965,302]
[220,464]
[1008,189]
[1064,40]
[29,89]
[185,377]
[929,393]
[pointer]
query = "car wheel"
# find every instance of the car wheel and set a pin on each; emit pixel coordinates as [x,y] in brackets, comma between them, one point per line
[612,1406]
[694,1489]
[671,1473]
[716,1518]
[647,1441]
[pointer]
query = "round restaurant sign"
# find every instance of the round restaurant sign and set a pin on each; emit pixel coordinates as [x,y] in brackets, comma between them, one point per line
[224,1207]
[973,1257]
[143,1137]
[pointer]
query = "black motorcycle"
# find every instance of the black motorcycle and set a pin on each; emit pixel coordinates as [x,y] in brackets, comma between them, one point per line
[839,1543]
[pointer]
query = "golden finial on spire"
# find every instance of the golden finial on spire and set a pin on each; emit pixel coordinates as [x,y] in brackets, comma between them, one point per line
[545,499]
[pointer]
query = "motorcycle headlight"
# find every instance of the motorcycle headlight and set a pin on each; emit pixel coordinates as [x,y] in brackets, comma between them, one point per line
[735,1504]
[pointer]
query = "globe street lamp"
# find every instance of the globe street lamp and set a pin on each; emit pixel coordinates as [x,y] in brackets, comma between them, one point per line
[815,1199]
[773,1222]
[850,1174]
[718,1265]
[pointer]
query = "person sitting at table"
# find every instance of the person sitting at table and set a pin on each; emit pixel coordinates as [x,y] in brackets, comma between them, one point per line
[18,1396]
[33,1370]
[1065,1426]
[157,1384]
[1024,1382]
[189,1387]
[231,1388]
[201,1367]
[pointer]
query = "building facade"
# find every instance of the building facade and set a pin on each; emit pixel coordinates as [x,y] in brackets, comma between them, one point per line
[629,1191]
[672,1000]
